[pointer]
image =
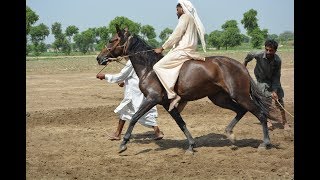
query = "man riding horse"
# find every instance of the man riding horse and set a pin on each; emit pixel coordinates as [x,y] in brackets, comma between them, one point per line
[225,81]
[183,41]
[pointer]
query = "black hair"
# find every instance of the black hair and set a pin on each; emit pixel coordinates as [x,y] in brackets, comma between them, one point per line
[179,5]
[271,43]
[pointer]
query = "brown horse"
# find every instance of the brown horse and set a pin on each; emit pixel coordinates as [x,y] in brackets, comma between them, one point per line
[225,81]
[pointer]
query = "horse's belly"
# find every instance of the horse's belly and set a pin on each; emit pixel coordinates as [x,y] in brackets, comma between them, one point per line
[197,92]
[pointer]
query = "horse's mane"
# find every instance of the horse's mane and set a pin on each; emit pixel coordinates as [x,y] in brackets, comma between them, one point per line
[142,53]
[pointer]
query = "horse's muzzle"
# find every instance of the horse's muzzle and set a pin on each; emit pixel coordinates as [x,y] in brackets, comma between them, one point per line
[102,61]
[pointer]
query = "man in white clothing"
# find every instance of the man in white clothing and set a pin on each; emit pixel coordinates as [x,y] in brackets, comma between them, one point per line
[131,102]
[183,42]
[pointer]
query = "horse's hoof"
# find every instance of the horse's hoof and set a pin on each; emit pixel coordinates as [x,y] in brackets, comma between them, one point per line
[231,137]
[189,152]
[264,146]
[122,148]
[233,147]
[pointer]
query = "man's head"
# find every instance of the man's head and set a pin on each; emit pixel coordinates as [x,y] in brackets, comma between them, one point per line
[179,10]
[271,47]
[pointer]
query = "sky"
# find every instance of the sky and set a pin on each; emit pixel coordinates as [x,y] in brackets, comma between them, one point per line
[275,15]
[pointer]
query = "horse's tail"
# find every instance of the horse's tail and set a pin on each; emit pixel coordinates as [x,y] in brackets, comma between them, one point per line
[263,102]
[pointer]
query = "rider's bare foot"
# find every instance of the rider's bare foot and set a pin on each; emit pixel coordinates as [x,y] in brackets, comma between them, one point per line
[174,102]
[114,137]
[158,136]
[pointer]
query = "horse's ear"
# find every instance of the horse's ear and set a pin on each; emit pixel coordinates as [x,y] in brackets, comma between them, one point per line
[119,32]
[118,28]
[126,31]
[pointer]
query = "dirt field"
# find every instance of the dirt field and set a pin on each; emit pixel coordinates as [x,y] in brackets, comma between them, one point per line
[70,113]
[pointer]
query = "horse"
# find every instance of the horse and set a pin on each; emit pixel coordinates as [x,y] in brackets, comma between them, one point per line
[225,81]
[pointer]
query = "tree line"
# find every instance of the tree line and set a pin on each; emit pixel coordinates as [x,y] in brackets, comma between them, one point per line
[92,39]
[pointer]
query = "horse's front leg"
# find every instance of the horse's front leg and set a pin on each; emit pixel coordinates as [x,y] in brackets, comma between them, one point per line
[144,108]
[177,117]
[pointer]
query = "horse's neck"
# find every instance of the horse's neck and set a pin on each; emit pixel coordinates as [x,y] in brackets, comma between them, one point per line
[139,68]
[140,58]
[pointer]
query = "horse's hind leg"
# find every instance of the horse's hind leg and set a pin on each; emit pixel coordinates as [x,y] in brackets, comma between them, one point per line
[223,100]
[249,104]
[177,117]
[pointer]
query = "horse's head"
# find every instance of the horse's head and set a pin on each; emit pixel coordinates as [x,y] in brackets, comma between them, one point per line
[116,46]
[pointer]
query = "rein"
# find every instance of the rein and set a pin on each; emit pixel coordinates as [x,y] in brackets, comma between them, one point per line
[284,108]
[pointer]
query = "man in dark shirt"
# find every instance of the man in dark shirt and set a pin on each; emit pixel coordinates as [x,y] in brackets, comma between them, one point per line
[268,72]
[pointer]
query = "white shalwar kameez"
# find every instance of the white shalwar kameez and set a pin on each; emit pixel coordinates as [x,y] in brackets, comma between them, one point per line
[183,42]
[133,97]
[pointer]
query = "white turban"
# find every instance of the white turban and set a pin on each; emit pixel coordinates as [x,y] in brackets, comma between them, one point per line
[189,9]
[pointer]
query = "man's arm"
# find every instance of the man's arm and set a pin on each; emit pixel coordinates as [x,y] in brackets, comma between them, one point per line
[249,57]
[176,34]
[117,78]
[275,84]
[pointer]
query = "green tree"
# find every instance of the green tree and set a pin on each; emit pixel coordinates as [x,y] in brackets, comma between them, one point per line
[66,46]
[38,35]
[231,36]
[31,18]
[264,33]
[56,30]
[257,38]
[148,32]
[250,21]
[273,36]
[124,22]
[164,34]
[215,39]
[286,36]
[103,36]
[70,32]
[84,41]
[61,43]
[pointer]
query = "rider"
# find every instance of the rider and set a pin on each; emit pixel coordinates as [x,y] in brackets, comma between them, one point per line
[183,42]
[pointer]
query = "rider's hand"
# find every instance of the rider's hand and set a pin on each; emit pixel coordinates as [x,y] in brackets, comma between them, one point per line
[100,76]
[121,84]
[274,95]
[158,50]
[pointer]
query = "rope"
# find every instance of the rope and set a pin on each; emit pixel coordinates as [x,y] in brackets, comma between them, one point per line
[118,59]
[102,69]
[284,108]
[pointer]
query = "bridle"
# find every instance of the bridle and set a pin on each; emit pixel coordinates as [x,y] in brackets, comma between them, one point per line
[116,45]
[124,52]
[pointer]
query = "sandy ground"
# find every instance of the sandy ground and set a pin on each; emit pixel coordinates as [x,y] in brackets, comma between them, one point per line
[70,113]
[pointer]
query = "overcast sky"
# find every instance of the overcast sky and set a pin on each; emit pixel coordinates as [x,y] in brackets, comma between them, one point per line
[275,15]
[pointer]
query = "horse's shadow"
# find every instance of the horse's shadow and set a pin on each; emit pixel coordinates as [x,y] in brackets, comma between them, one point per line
[209,140]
